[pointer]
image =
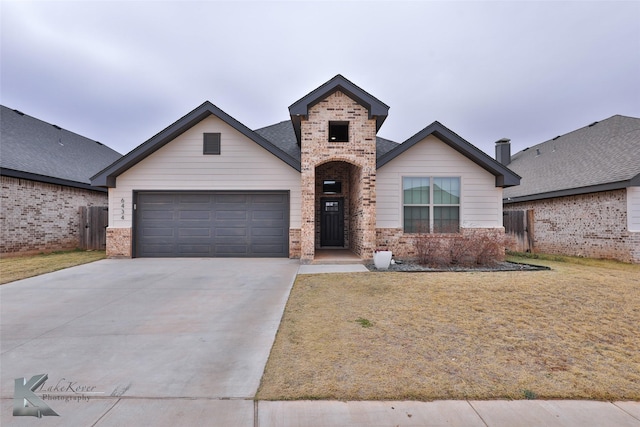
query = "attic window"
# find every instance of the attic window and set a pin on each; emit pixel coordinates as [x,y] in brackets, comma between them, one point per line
[211,144]
[338,131]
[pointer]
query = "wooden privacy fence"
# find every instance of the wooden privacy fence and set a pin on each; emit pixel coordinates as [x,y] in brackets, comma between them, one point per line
[519,225]
[93,227]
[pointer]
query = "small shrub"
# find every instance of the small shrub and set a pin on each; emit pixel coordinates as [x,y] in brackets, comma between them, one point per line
[490,250]
[466,249]
[428,251]
[364,322]
[428,248]
[529,395]
[463,250]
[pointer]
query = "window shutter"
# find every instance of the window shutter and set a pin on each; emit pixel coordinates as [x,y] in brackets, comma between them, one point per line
[211,143]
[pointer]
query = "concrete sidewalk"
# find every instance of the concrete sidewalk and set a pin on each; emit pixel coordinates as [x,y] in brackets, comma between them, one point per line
[216,412]
[332,268]
[494,413]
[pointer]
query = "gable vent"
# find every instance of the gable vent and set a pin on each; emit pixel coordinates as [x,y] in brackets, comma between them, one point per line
[211,143]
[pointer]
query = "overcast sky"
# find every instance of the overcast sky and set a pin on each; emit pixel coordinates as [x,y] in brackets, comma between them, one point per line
[119,72]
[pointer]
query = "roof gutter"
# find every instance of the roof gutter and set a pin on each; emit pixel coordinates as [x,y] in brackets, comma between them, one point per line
[619,185]
[49,179]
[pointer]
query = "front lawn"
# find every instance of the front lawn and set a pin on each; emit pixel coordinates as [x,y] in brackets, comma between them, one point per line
[21,267]
[568,333]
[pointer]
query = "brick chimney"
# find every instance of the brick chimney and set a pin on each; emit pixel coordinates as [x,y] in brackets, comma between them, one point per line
[503,151]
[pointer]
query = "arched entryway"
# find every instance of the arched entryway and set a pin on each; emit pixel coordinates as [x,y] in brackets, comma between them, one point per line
[342,217]
[332,205]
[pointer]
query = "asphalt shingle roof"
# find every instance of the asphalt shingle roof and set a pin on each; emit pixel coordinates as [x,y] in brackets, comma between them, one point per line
[602,153]
[31,145]
[283,136]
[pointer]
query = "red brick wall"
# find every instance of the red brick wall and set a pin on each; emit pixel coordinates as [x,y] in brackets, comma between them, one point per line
[359,152]
[294,243]
[40,217]
[590,225]
[119,242]
[403,245]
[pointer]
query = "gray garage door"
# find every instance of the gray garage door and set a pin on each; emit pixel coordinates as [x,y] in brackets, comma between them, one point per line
[212,224]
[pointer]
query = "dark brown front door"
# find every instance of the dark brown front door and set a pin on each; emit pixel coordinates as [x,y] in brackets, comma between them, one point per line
[332,222]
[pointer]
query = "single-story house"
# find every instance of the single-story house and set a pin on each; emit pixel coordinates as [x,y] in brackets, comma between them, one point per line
[581,190]
[45,172]
[208,186]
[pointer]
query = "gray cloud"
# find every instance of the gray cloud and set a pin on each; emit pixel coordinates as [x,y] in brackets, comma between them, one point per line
[119,72]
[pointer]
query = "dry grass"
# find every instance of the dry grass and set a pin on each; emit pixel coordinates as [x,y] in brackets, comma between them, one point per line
[16,268]
[571,333]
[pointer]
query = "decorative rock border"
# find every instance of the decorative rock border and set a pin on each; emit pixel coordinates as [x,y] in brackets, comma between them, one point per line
[412,267]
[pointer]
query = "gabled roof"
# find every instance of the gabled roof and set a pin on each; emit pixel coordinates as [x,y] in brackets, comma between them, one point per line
[602,156]
[39,151]
[107,177]
[300,108]
[504,176]
[283,136]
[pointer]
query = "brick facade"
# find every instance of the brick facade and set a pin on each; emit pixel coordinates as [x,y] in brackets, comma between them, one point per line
[119,242]
[40,217]
[359,154]
[590,225]
[294,243]
[403,245]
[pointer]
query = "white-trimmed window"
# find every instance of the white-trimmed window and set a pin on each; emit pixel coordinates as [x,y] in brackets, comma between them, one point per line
[431,204]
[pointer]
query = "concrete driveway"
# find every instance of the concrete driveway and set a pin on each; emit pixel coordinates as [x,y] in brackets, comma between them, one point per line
[144,341]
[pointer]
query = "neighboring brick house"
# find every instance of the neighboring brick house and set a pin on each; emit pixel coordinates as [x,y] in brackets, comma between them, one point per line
[45,173]
[582,190]
[209,186]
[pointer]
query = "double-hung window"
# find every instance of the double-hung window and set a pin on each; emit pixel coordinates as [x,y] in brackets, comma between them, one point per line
[431,204]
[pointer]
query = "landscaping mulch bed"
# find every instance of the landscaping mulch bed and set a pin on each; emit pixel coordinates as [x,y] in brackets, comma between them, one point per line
[410,267]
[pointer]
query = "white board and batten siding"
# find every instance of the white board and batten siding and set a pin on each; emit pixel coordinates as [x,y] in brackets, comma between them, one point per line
[633,209]
[181,165]
[480,201]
